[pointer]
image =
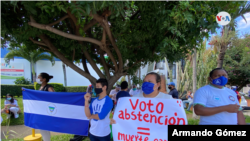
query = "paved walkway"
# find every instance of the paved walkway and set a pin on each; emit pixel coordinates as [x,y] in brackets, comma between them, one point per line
[22,131]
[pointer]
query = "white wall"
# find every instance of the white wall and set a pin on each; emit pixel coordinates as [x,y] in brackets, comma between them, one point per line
[73,78]
[27,70]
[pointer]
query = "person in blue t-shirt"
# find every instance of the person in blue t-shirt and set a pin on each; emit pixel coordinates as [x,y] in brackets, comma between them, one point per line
[123,92]
[98,112]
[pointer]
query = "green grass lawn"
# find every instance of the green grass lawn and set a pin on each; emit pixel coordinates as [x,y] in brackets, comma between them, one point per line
[13,121]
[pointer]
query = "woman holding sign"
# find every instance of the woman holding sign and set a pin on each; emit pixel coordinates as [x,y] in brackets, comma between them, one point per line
[150,87]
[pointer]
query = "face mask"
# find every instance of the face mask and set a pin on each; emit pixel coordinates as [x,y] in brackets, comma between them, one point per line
[9,98]
[234,89]
[98,90]
[134,89]
[169,88]
[38,81]
[221,81]
[148,87]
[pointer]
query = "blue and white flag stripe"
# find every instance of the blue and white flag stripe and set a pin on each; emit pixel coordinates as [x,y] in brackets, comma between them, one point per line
[57,97]
[55,111]
[41,108]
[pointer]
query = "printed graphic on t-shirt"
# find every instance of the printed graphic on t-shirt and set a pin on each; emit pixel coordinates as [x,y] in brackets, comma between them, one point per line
[231,98]
[97,106]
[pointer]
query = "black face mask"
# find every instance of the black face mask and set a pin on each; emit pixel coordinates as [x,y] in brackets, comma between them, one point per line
[98,90]
[169,88]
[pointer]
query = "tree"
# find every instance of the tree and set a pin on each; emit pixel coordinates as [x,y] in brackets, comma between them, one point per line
[228,32]
[237,60]
[30,55]
[222,42]
[194,77]
[64,73]
[83,31]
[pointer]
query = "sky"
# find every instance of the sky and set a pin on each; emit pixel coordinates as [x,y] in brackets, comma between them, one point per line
[242,26]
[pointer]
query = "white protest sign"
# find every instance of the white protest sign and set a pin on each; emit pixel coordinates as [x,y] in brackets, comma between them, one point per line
[146,119]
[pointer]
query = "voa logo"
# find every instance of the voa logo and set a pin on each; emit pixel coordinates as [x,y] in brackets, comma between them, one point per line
[223,18]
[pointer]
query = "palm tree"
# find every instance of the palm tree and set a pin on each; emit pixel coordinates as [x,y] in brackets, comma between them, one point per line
[244,9]
[224,40]
[31,55]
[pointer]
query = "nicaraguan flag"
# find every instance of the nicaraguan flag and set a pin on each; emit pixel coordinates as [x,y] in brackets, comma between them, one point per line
[55,111]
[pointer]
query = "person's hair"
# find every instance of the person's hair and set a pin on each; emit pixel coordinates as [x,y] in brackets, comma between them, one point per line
[157,78]
[103,81]
[12,98]
[46,76]
[212,72]
[124,85]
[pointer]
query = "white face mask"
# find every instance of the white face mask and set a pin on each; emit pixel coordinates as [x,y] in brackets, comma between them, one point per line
[38,81]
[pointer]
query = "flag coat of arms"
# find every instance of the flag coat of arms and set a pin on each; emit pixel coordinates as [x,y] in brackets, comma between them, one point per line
[55,111]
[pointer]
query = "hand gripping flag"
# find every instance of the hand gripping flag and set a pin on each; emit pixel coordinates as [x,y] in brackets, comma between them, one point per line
[55,111]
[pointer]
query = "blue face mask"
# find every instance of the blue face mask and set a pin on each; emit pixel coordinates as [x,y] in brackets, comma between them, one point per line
[148,87]
[9,98]
[221,81]
[234,89]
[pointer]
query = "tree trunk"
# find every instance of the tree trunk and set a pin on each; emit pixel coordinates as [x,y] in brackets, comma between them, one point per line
[221,56]
[129,80]
[169,70]
[33,71]
[194,79]
[179,75]
[64,73]
[140,73]
[112,81]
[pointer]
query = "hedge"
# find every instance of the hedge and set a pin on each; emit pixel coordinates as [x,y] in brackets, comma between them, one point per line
[76,89]
[58,87]
[15,90]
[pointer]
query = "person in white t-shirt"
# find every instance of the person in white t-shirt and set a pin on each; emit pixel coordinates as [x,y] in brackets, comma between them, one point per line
[98,112]
[150,87]
[189,101]
[134,91]
[216,104]
[11,106]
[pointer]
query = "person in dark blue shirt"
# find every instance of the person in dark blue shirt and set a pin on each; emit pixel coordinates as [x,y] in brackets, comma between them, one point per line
[173,91]
[123,92]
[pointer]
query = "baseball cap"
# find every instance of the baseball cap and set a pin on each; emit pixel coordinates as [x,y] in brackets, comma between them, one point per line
[171,83]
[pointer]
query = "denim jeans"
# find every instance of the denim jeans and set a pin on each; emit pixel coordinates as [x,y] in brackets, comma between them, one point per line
[190,103]
[95,138]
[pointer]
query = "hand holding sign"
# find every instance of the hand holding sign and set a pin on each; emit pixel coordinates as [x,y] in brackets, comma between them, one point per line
[146,118]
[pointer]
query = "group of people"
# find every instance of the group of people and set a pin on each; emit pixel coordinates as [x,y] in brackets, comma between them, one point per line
[214,103]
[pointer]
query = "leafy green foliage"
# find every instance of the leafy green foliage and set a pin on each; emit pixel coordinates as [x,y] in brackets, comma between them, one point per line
[236,62]
[76,89]
[22,80]
[140,30]
[58,87]
[15,90]
[136,80]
